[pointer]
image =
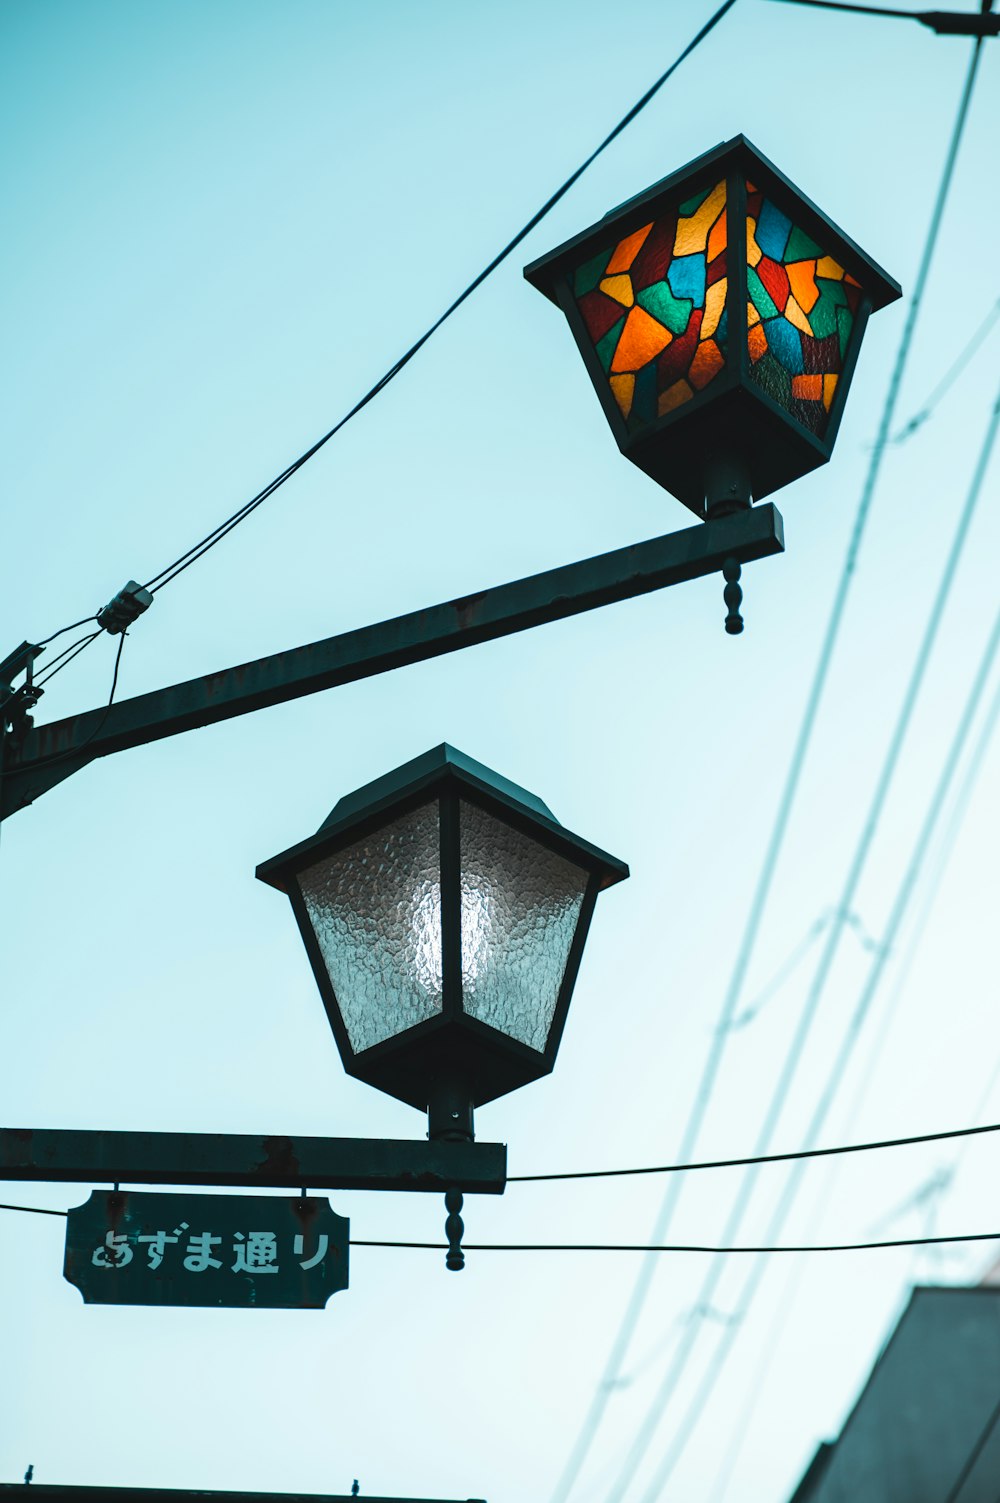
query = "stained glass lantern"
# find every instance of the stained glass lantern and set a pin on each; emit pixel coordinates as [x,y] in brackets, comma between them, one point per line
[444,911]
[719,315]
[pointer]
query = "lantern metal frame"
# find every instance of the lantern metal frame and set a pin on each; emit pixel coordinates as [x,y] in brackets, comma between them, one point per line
[451,1062]
[732,423]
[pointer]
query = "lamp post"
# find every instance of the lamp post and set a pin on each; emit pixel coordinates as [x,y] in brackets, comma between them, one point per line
[719,315]
[444,911]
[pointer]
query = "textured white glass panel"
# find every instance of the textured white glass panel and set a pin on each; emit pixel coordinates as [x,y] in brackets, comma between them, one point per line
[376,911]
[520,905]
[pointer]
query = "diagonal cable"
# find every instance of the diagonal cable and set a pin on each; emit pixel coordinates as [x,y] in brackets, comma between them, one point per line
[879,959]
[198,550]
[595,1413]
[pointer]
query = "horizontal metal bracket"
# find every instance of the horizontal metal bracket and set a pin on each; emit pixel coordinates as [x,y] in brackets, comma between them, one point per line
[189,1158]
[50,753]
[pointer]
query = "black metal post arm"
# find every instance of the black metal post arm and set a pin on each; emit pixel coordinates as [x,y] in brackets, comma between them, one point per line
[185,1158]
[53,752]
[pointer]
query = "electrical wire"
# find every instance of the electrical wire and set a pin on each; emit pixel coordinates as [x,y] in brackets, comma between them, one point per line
[949,378]
[706,1085]
[961,804]
[64,629]
[44,762]
[758,1159]
[793,1057]
[626,1247]
[65,657]
[198,550]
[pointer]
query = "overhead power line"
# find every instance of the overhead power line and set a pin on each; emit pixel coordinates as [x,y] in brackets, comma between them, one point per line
[625,1247]
[862,1008]
[764,1158]
[198,550]
[706,1085]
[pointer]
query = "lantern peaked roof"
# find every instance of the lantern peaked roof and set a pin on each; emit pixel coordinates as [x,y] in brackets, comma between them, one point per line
[441,764]
[544,273]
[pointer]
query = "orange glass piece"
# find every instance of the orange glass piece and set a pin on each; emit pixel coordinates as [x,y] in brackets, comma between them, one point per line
[827,267]
[620,288]
[641,341]
[753,317]
[849,278]
[756,341]
[810,388]
[802,277]
[707,362]
[754,251]
[623,388]
[674,396]
[795,316]
[717,237]
[829,387]
[715,302]
[692,233]
[626,250]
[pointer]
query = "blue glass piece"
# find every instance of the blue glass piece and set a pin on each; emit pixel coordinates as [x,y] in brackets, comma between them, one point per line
[785,342]
[686,276]
[773,230]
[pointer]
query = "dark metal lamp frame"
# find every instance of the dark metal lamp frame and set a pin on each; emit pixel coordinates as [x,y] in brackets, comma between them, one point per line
[451,1062]
[732,417]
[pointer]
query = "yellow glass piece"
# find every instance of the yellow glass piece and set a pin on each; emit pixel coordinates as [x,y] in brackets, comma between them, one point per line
[715,302]
[795,316]
[827,267]
[754,251]
[623,388]
[674,396]
[627,250]
[757,342]
[620,288]
[641,341]
[802,278]
[692,233]
[809,388]
[707,362]
[753,317]
[829,387]
[717,237]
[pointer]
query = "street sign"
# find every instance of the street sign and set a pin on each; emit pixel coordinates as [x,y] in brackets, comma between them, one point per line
[238,1251]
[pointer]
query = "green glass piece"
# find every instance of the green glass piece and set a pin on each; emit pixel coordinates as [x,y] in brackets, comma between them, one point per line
[800,247]
[672,311]
[688,207]
[759,295]
[772,377]
[845,323]
[606,347]
[823,314]
[587,276]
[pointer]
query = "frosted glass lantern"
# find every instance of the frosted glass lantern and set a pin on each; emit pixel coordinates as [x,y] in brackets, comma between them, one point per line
[444,911]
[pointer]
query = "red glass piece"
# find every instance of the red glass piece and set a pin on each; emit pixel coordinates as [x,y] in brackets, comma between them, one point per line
[650,265]
[853,292]
[600,313]
[775,279]
[820,356]
[677,357]
[716,269]
[754,201]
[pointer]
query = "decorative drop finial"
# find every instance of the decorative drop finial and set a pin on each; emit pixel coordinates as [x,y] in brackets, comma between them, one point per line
[454,1229]
[733,596]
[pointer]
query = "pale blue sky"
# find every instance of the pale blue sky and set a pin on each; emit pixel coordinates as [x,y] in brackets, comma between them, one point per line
[223,222]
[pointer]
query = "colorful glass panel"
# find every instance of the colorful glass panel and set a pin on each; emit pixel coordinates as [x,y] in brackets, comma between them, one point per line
[654,305]
[800,312]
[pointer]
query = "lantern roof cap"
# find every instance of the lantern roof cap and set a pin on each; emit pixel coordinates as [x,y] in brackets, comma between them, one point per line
[545,272]
[439,765]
